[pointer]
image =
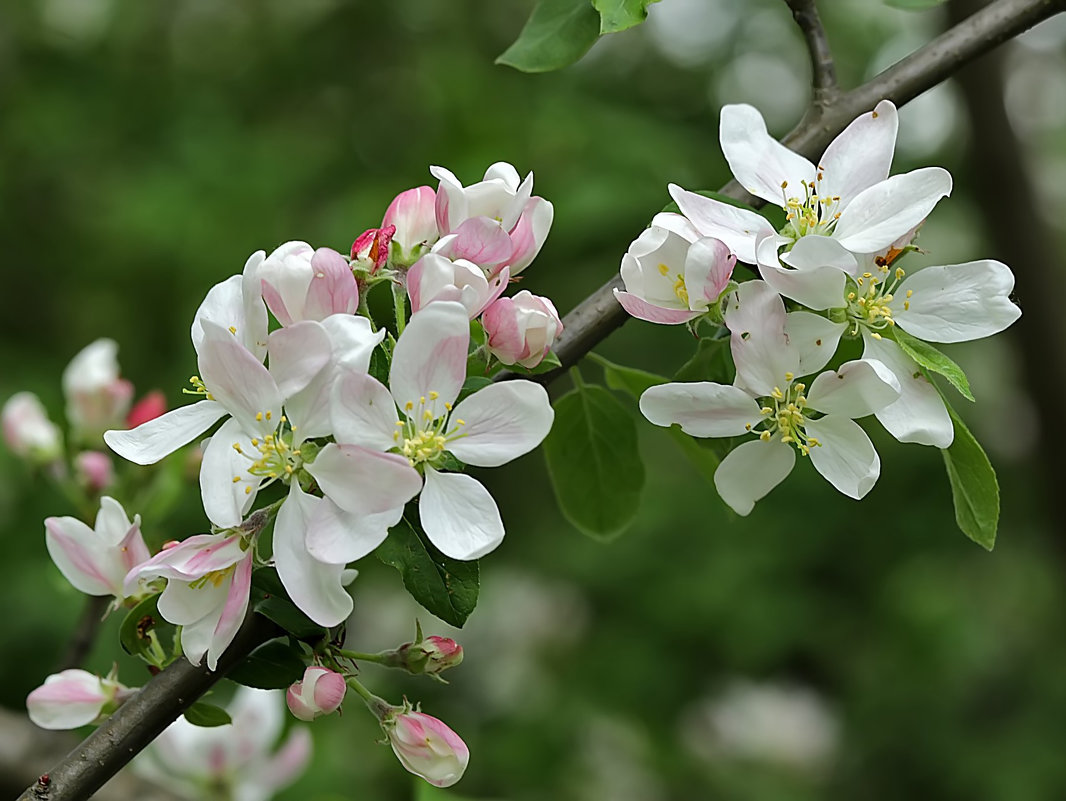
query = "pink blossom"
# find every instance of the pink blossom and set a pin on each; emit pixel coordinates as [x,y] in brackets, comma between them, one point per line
[27,430]
[411,214]
[97,398]
[522,329]
[74,698]
[426,746]
[151,406]
[95,470]
[319,692]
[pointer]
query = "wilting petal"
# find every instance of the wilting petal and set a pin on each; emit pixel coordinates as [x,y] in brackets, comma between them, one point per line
[430,356]
[363,412]
[238,380]
[151,441]
[958,302]
[459,515]
[702,409]
[919,415]
[861,155]
[226,486]
[858,388]
[887,210]
[761,164]
[756,321]
[297,354]
[740,229]
[844,456]
[362,481]
[750,471]
[643,310]
[815,337]
[500,423]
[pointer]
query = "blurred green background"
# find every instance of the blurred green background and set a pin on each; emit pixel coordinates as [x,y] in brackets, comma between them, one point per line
[820,648]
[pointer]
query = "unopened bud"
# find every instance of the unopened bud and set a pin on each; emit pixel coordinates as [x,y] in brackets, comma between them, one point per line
[95,470]
[426,746]
[320,692]
[27,430]
[74,698]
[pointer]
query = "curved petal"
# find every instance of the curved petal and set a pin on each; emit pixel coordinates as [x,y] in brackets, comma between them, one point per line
[881,214]
[643,310]
[223,305]
[861,155]
[957,302]
[919,415]
[459,515]
[333,289]
[812,252]
[430,356]
[708,267]
[67,700]
[751,470]
[196,637]
[761,164]
[363,412]
[678,223]
[844,455]
[353,339]
[529,233]
[815,337]
[80,556]
[756,321]
[112,524]
[238,380]
[740,229]
[500,423]
[814,287]
[183,605]
[151,441]
[362,481]
[233,612]
[297,354]
[702,409]
[226,486]
[337,537]
[482,241]
[858,388]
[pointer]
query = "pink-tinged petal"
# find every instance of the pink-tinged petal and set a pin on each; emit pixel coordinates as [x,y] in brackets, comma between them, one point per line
[428,748]
[333,288]
[112,523]
[133,552]
[813,252]
[184,605]
[708,267]
[861,155]
[500,422]
[756,321]
[761,164]
[337,537]
[459,515]
[276,303]
[80,556]
[233,611]
[431,354]
[844,456]
[297,354]
[433,278]
[643,310]
[677,223]
[702,409]
[814,337]
[450,205]
[881,214]
[480,240]
[363,412]
[287,764]
[751,470]
[190,559]
[238,380]
[226,486]
[413,214]
[740,229]
[67,700]
[151,441]
[958,302]
[529,234]
[858,388]
[919,415]
[285,277]
[362,481]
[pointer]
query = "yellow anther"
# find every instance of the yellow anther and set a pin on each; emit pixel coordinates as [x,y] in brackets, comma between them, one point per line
[237,447]
[284,419]
[812,442]
[875,335]
[427,414]
[663,269]
[899,273]
[448,406]
[233,330]
[906,305]
[789,376]
[236,479]
[433,395]
[259,417]
[765,436]
[400,424]
[910,292]
[408,406]
[766,410]
[288,469]
[268,415]
[851,296]
[460,422]
[248,490]
[867,275]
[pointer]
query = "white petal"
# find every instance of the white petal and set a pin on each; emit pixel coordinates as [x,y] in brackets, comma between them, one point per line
[182,604]
[223,305]
[815,337]
[363,412]
[337,537]
[80,556]
[226,500]
[958,302]
[883,213]
[678,223]
[238,380]
[112,523]
[845,456]
[812,252]
[760,163]
[814,287]
[151,441]
[362,481]
[738,228]
[297,354]
[459,515]
[314,586]
[919,415]
[861,155]
[750,471]
[430,356]
[702,409]
[234,611]
[196,637]
[500,423]
[858,388]
[708,268]
[353,339]
[756,321]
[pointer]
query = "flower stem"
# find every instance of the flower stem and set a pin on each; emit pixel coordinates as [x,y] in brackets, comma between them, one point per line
[359,656]
[399,305]
[379,706]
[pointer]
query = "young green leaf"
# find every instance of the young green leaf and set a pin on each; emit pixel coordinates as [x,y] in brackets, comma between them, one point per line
[593,461]
[932,359]
[974,488]
[618,15]
[446,587]
[272,666]
[146,634]
[207,715]
[557,34]
[627,379]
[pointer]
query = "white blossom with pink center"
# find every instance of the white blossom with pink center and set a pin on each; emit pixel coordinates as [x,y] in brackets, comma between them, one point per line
[74,698]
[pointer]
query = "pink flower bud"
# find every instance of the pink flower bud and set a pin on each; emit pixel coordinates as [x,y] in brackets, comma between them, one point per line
[443,653]
[151,406]
[320,692]
[27,430]
[300,283]
[74,698]
[522,329]
[95,470]
[426,746]
[434,277]
[97,399]
[412,215]
[371,248]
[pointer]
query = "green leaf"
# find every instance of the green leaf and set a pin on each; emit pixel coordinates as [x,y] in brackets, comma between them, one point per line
[272,666]
[548,363]
[618,15]
[974,488]
[627,379]
[207,715]
[703,457]
[914,5]
[557,34]
[143,632]
[932,359]
[271,601]
[446,587]
[593,461]
[712,361]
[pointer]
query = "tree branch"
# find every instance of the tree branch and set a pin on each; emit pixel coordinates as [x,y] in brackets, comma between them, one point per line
[823,72]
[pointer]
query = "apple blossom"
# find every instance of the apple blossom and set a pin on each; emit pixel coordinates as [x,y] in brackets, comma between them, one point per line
[74,698]
[426,746]
[767,399]
[27,430]
[94,470]
[672,275]
[96,560]
[209,580]
[490,428]
[434,277]
[301,283]
[319,692]
[522,329]
[412,214]
[96,397]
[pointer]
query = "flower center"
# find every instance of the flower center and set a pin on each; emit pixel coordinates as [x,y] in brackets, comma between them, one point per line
[215,578]
[679,284]
[809,212]
[274,456]
[786,417]
[870,300]
[423,436]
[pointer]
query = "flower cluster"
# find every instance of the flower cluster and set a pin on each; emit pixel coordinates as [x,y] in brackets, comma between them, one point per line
[833,272]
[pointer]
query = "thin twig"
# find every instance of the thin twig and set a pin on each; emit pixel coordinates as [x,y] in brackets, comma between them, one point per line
[823,71]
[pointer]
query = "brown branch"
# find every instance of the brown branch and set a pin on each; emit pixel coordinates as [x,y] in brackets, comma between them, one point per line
[823,71]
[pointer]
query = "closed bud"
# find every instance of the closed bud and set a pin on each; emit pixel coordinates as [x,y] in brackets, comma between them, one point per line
[97,398]
[151,406]
[412,214]
[320,692]
[521,329]
[432,655]
[74,698]
[27,430]
[94,470]
[426,746]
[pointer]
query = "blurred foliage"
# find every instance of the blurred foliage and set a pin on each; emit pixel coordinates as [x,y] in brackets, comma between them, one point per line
[147,148]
